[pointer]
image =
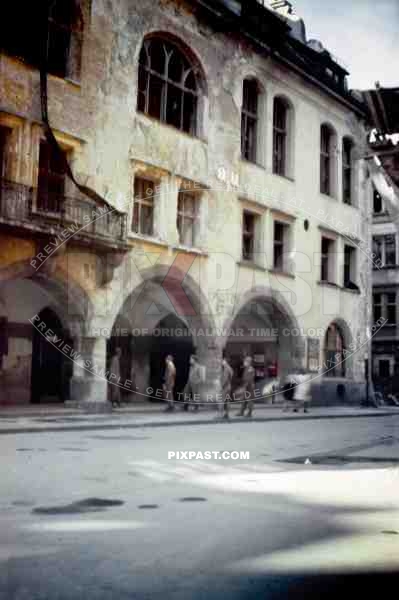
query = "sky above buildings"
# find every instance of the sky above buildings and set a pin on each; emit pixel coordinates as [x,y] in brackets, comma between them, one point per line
[363,34]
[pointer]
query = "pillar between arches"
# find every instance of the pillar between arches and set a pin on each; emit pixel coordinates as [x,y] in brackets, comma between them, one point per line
[89,386]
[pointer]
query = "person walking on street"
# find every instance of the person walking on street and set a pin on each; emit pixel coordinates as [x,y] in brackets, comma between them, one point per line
[169,383]
[302,393]
[248,387]
[227,376]
[193,381]
[115,369]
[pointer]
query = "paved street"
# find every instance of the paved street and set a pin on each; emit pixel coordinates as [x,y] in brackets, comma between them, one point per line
[105,514]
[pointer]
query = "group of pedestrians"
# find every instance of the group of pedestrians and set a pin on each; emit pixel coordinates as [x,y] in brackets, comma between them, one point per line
[190,396]
[296,390]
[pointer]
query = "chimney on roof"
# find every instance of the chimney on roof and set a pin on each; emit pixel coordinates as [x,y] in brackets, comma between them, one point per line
[281,6]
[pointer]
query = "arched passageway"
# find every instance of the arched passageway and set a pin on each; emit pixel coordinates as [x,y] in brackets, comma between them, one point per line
[165,319]
[265,329]
[33,369]
[175,341]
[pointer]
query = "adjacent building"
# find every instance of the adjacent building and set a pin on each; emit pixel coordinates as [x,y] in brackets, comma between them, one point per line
[232,206]
[386,275]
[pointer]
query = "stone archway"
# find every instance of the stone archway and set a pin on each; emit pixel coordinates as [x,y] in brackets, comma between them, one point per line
[337,357]
[264,326]
[31,370]
[171,304]
[170,337]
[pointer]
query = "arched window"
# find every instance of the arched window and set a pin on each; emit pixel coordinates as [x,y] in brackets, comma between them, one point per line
[168,85]
[281,137]
[327,166]
[249,119]
[347,147]
[334,352]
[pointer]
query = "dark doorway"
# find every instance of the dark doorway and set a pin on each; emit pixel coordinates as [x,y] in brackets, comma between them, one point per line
[51,369]
[173,340]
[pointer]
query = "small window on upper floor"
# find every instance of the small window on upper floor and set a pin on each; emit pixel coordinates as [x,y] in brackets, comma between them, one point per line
[327,265]
[282,137]
[188,218]
[169,85]
[24,38]
[143,206]
[350,268]
[281,243]
[327,160]
[384,250]
[384,307]
[65,28]
[347,168]
[249,120]
[249,222]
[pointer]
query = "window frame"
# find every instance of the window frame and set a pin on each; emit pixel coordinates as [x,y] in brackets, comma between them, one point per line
[281,245]
[143,201]
[280,138]
[167,85]
[68,25]
[326,262]
[384,306]
[194,217]
[351,266]
[249,141]
[53,199]
[382,240]
[249,234]
[327,164]
[347,171]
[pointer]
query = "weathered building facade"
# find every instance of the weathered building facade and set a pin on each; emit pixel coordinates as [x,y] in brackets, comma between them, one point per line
[225,144]
[385,348]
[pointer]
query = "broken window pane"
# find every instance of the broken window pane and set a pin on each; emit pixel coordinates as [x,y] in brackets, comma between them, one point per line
[171,93]
[174,106]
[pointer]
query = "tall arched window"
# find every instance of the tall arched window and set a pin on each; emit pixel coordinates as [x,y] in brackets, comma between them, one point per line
[334,353]
[327,166]
[281,137]
[249,119]
[168,85]
[347,147]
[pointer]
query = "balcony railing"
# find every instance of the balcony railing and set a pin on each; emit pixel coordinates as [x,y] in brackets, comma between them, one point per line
[21,205]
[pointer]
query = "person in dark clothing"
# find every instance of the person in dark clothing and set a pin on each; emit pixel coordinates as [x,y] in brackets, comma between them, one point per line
[248,387]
